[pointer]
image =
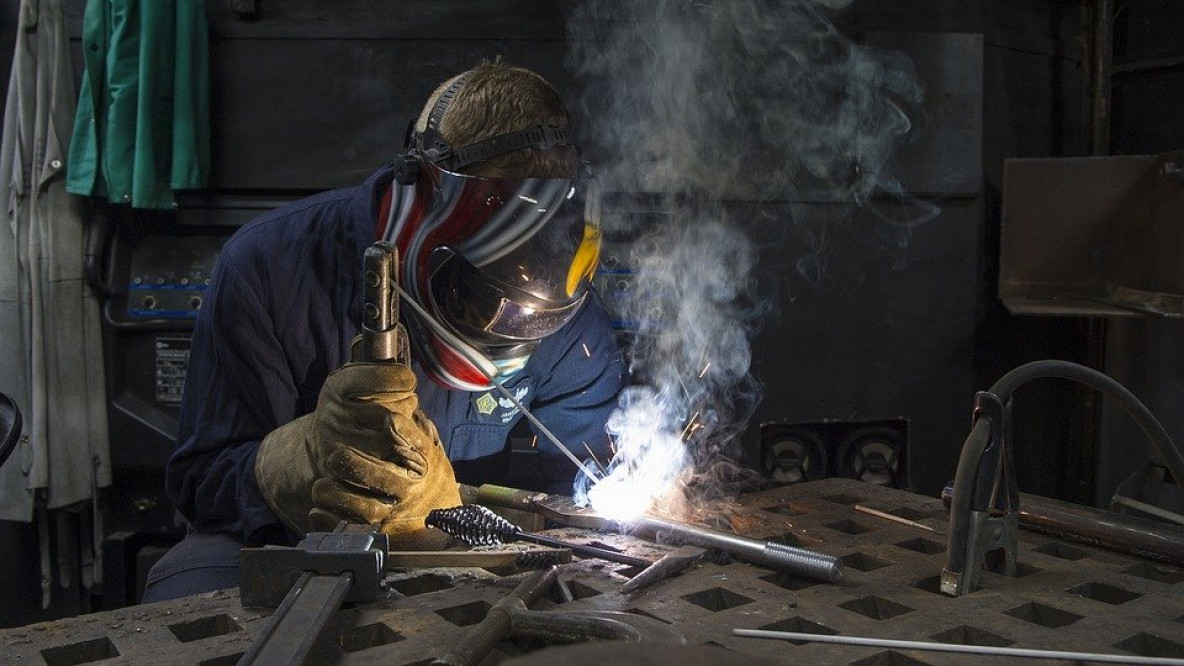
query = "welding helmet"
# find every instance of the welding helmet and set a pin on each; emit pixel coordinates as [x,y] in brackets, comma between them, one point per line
[491,265]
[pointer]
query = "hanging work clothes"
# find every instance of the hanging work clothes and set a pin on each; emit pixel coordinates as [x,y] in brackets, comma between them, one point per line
[50,341]
[143,129]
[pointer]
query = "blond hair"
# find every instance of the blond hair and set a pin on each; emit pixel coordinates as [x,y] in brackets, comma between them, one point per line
[494,99]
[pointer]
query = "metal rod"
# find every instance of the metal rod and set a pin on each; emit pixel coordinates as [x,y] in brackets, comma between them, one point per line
[896,519]
[296,624]
[583,550]
[967,649]
[781,557]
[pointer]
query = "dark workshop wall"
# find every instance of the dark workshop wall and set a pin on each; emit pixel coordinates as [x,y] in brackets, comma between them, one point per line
[1146,354]
[310,95]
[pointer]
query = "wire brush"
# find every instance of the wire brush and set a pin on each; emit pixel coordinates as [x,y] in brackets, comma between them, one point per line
[476,525]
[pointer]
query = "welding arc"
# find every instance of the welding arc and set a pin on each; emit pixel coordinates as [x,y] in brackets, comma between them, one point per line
[477,525]
[506,393]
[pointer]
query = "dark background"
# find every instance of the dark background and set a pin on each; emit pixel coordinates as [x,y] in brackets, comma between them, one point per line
[309,95]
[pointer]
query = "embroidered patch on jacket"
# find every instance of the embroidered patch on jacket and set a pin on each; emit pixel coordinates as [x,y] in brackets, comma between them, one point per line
[486,404]
[494,407]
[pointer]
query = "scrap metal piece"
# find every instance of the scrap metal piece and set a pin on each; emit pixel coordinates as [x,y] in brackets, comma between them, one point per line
[670,564]
[268,573]
[511,616]
[329,568]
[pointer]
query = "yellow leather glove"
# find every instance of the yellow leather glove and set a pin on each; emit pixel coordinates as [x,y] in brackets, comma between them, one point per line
[367,454]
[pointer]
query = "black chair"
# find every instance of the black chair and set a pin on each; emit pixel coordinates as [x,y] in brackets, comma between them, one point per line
[10,427]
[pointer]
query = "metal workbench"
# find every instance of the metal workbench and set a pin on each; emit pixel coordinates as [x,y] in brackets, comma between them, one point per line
[1067,597]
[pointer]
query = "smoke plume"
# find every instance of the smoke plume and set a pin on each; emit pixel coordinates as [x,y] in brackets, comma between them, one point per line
[697,104]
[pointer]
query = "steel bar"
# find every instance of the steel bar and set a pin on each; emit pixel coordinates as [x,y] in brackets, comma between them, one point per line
[487,633]
[296,624]
[983,650]
[781,557]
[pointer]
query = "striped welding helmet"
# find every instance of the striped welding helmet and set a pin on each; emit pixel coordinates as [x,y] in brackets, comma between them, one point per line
[493,265]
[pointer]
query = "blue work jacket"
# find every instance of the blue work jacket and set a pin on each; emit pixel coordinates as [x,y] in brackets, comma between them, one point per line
[280,312]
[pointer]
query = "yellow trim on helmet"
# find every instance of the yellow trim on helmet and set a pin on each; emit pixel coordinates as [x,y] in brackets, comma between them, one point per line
[583,264]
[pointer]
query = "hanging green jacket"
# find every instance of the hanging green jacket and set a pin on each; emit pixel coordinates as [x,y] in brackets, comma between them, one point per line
[142,129]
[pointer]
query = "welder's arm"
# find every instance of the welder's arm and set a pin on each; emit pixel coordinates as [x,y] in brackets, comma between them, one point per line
[366,454]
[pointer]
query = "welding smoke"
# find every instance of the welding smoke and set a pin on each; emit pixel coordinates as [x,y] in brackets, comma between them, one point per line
[697,104]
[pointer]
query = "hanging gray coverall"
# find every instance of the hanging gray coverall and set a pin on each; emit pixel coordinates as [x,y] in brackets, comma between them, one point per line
[50,341]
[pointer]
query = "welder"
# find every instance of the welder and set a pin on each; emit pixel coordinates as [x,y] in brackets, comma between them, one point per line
[283,432]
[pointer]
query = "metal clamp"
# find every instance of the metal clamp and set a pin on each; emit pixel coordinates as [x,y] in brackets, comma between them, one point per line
[984,509]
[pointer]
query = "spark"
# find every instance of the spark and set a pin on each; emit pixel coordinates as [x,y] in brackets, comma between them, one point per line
[586,352]
[534,442]
[526,198]
[705,370]
[612,446]
[690,427]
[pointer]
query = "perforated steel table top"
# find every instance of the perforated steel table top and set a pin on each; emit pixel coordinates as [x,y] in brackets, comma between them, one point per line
[1067,597]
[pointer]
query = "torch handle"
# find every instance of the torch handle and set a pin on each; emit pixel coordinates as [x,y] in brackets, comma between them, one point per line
[380,304]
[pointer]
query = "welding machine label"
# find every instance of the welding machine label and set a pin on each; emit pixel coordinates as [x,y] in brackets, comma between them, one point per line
[495,407]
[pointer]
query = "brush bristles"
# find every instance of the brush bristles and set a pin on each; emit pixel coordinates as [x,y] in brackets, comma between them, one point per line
[473,524]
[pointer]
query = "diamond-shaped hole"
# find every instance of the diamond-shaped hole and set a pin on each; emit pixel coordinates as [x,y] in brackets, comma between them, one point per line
[638,611]
[923,545]
[909,513]
[1169,575]
[1022,569]
[786,510]
[843,498]
[889,658]
[799,625]
[1107,594]
[580,590]
[1062,551]
[422,584]
[80,653]
[968,635]
[796,540]
[1149,645]
[929,584]
[717,599]
[877,608]
[849,527]
[205,627]
[368,636]
[224,660]
[465,614]
[789,582]
[864,562]
[1045,616]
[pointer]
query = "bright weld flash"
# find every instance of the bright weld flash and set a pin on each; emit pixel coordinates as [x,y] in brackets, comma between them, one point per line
[650,462]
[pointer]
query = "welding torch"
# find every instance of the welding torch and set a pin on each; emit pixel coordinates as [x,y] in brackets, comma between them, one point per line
[380,306]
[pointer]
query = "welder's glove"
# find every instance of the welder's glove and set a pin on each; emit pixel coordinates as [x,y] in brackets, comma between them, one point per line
[367,454]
